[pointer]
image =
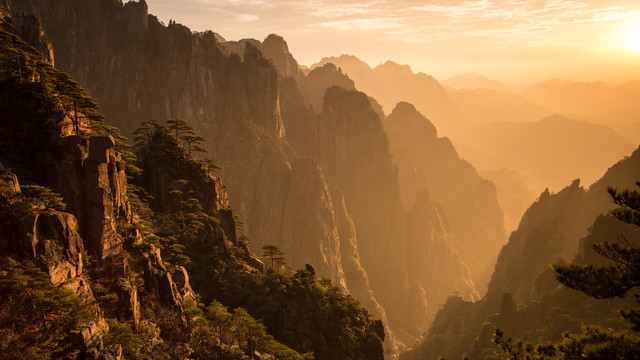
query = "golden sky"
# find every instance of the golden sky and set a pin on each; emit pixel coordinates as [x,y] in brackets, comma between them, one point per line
[509,40]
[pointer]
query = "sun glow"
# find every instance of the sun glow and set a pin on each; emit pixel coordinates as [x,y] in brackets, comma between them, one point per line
[631,37]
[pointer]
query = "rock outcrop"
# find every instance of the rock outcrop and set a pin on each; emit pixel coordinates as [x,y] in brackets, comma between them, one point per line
[52,239]
[92,180]
[557,228]
[354,153]
[91,345]
[30,28]
[468,203]
[391,83]
[233,101]
[249,102]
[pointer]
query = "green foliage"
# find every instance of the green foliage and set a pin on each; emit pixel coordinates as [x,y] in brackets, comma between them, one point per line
[600,282]
[38,102]
[273,254]
[593,343]
[36,316]
[618,279]
[13,205]
[42,196]
[122,334]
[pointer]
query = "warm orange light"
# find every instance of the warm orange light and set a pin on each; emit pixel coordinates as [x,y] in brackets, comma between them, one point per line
[631,37]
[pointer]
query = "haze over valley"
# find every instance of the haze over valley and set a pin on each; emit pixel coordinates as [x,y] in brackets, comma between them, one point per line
[281,180]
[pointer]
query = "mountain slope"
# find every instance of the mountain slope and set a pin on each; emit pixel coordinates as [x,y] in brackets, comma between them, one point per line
[551,151]
[523,297]
[265,132]
[95,275]
[391,83]
[469,204]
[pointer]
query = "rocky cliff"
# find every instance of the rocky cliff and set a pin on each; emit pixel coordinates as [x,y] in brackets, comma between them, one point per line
[136,301]
[469,204]
[394,245]
[558,227]
[391,83]
[261,118]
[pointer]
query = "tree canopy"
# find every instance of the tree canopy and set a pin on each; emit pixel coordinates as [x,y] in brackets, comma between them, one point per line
[601,282]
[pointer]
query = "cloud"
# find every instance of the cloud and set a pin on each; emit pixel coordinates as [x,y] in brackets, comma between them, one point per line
[416,21]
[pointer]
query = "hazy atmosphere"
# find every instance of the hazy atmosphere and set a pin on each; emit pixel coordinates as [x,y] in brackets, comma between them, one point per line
[512,41]
[320,180]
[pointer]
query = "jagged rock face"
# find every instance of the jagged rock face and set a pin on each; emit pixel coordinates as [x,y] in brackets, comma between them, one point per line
[171,288]
[311,214]
[354,153]
[469,203]
[29,28]
[168,72]
[273,48]
[557,227]
[51,238]
[601,231]
[92,180]
[438,251]
[546,233]
[357,279]
[391,83]
[89,341]
[320,79]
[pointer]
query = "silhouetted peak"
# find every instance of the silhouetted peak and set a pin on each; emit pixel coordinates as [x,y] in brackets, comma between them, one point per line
[328,67]
[405,108]
[140,6]
[556,118]
[336,95]
[345,60]
[219,37]
[406,115]
[473,80]
[275,40]
[393,66]
[575,184]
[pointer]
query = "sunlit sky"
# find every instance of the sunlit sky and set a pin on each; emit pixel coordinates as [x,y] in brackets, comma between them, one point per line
[509,40]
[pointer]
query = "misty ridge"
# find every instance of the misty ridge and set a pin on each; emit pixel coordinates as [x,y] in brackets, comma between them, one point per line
[169,194]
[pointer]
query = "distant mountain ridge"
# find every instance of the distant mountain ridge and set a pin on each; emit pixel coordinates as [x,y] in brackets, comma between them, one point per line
[391,83]
[524,298]
[474,81]
[269,127]
[551,151]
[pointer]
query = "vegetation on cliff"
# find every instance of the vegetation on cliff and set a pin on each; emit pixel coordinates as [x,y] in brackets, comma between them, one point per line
[128,301]
[614,279]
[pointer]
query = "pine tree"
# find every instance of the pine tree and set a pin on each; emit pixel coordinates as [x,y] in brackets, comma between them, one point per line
[600,282]
[603,282]
[273,253]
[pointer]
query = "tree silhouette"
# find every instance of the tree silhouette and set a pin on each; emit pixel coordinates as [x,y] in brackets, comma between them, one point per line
[273,253]
[179,126]
[600,282]
[193,143]
[603,282]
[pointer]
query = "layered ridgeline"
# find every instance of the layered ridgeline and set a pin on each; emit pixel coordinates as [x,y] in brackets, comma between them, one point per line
[107,254]
[608,103]
[427,163]
[502,129]
[307,168]
[391,83]
[469,204]
[552,150]
[524,298]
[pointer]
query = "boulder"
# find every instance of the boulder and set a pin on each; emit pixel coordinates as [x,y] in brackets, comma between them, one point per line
[89,341]
[51,238]
[92,180]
